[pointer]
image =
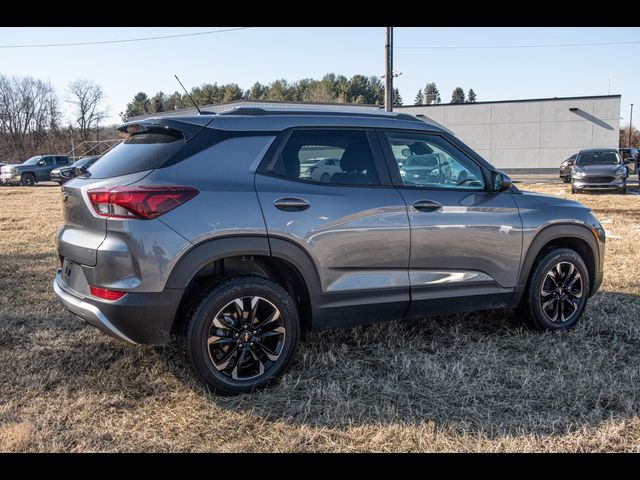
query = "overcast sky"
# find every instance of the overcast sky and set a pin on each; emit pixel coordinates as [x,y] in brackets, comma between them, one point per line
[265,54]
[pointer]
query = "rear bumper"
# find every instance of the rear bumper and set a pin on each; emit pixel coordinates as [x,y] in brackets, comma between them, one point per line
[135,318]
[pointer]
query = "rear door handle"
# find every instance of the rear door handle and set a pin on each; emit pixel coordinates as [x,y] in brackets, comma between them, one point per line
[291,204]
[426,205]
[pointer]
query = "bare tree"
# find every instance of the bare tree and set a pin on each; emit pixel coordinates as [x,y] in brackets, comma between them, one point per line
[29,114]
[87,96]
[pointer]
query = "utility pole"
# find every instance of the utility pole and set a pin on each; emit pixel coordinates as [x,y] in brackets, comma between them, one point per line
[630,124]
[388,68]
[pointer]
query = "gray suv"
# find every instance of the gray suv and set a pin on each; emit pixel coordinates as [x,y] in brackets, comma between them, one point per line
[599,169]
[206,228]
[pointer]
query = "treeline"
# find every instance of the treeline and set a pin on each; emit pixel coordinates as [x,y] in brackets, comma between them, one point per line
[31,119]
[331,88]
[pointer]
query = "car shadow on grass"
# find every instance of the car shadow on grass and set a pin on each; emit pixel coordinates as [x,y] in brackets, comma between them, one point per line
[479,373]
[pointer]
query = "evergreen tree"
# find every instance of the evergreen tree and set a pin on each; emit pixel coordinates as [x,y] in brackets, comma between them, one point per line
[471,96]
[419,98]
[139,106]
[397,99]
[457,96]
[431,94]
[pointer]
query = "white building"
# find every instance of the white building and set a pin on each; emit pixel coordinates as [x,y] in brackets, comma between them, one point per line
[537,135]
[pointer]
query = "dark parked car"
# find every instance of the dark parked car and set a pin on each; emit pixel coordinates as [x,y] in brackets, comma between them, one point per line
[36,169]
[630,157]
[66,173]
[599,169]
[565,168]
[204,228]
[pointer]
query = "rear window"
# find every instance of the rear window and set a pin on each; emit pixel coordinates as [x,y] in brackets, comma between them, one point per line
[140,152]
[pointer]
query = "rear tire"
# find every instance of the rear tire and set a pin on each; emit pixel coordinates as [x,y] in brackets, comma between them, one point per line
[242,334]
[28,180]
[557,291]
[325,178]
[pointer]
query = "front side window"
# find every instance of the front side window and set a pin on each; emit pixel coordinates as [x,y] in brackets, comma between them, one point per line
[430,161]
[328,156]
[49,160]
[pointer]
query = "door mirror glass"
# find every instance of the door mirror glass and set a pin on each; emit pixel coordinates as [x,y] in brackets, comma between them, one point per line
[500,181]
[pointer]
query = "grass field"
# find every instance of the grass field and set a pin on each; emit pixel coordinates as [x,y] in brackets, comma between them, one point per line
[476,382]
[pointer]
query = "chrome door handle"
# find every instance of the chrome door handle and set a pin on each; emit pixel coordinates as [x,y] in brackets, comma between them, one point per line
[426,206]
[291,204]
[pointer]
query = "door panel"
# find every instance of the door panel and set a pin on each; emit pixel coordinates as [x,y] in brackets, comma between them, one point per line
[353,224]
[358,237]
[466,242]
[474,236]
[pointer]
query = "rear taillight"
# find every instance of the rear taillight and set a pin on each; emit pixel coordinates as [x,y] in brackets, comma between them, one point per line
[139,202]
[106,294]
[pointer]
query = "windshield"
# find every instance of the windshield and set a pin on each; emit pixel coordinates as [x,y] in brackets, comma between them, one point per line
[32,160]
[84,161]
[598,158]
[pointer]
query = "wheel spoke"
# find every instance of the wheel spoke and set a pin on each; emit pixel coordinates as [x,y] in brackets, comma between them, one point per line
[271,318]
[561,309]
[548,302]
[239,362]
[570,275]
[258,361]
[219,340]
[254,309]
[552,276]
[239,304]
[271,355]
[224,362]
[559,272]
[573,304]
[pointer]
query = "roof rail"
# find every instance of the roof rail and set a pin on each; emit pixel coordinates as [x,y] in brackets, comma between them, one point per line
[262,111]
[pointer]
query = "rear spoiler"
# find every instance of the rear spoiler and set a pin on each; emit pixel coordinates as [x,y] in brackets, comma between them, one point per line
[166,126]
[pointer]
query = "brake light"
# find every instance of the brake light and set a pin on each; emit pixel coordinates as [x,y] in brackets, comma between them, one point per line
[145,202]
[106,294]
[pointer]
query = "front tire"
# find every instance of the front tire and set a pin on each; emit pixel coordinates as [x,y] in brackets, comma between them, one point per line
[557,291]
[242,334]
[623,190]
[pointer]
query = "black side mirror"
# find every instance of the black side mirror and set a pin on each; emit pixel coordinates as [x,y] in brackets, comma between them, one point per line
[500,181]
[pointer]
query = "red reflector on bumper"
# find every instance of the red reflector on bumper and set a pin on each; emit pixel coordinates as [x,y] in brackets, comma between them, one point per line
[106,294]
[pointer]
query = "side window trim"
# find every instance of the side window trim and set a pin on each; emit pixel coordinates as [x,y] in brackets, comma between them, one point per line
[268,164]
[394,171]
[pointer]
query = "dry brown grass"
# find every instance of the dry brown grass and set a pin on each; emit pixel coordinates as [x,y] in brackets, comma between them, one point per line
[476,382]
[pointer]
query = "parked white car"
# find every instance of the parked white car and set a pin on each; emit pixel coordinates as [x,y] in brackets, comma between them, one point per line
[323,169]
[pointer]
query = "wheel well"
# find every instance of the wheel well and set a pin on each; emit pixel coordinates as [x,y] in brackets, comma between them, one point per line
[275,269]
[578,245]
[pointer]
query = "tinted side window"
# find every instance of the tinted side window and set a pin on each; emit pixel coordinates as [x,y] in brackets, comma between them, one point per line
[430,161]
[329,156]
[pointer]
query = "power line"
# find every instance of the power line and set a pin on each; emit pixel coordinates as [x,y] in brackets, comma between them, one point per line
[208,32]
[435,47]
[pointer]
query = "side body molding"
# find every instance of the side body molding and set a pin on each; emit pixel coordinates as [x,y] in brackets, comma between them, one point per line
[553,232]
